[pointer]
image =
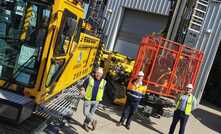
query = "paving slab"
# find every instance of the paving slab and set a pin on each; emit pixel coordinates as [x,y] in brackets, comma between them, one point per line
[205,120]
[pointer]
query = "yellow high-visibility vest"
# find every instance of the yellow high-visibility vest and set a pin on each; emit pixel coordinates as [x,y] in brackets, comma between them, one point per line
[90,87]
[189,103]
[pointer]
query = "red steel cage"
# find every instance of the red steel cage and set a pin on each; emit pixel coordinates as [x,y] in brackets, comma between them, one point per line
[168,66]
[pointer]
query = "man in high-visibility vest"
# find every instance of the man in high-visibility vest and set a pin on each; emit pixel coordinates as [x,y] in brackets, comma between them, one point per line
[185,104]
[93,89]
[135,92]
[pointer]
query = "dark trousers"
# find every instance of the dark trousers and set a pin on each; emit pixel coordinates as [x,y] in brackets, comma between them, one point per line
[129,110]
[179,116]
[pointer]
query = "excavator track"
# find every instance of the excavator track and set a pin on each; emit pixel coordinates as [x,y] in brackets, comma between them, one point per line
[50,117]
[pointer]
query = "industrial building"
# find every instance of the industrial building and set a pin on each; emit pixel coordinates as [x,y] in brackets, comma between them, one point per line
[194,23]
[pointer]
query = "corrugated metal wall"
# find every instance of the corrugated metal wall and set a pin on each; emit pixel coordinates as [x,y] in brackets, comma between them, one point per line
[208,42]
[115,10]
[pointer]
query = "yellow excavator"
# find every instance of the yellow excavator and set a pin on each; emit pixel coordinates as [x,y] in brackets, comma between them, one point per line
[45,47]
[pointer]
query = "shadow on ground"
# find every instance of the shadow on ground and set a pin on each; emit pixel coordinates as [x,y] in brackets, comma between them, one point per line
[37,124]
[208,119]
[113,109]
[60,129]
[28,126]
[146,122]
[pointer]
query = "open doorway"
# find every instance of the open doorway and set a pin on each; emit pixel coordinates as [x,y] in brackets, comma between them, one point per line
[134,25]
[212,92]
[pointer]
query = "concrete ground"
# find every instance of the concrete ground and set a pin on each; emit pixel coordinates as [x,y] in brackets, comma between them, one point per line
[205,120]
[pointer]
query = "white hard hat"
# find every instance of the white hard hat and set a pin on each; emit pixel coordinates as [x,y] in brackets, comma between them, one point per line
[189,86]
[140,73]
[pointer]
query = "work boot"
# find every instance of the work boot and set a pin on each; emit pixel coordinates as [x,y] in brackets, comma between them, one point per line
[128,127]
[119,123]
[86,128]
[94,124]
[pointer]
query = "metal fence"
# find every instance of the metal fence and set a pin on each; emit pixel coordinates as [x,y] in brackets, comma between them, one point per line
[168,66]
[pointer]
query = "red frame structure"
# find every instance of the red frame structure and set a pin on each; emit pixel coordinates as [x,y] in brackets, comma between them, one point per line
[168,66]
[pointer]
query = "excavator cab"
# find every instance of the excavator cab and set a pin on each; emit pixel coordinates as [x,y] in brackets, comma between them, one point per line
[23,31]
[43,51]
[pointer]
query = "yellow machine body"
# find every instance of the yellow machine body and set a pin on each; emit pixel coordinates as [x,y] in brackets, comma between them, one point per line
[117,69]
[65,56]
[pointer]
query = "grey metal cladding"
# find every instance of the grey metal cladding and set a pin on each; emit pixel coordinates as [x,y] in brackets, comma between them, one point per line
[114,10]
[208,42]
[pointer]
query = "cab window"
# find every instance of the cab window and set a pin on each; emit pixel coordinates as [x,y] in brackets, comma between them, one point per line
[67,30]
[23,29]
